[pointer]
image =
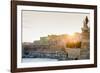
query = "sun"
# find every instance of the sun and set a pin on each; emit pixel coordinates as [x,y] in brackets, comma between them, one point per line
[71,34]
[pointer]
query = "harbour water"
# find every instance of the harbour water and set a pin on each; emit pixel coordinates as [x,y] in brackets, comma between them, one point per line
[38,59]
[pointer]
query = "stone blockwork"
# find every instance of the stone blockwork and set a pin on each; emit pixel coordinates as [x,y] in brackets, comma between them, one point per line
[85,35]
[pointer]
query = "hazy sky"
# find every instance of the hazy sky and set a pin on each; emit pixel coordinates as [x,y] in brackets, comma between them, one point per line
[36,24]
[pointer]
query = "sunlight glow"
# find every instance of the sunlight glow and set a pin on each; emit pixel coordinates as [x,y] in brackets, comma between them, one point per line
[71,34]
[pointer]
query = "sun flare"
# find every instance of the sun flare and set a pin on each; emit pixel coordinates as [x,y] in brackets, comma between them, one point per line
[71,34]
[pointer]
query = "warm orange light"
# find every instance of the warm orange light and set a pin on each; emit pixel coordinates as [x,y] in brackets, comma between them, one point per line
[72,38]
[72,35]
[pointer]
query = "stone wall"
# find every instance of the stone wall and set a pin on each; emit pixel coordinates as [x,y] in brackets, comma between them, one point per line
[85,35]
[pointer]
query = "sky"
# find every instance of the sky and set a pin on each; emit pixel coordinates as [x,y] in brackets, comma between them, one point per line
[36,24]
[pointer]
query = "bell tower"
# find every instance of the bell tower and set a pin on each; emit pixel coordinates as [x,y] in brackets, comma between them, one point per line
[85,38]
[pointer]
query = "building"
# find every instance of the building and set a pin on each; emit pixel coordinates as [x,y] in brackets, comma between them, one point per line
[85,35]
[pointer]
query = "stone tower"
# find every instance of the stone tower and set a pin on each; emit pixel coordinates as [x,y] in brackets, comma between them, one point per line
[85,36]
